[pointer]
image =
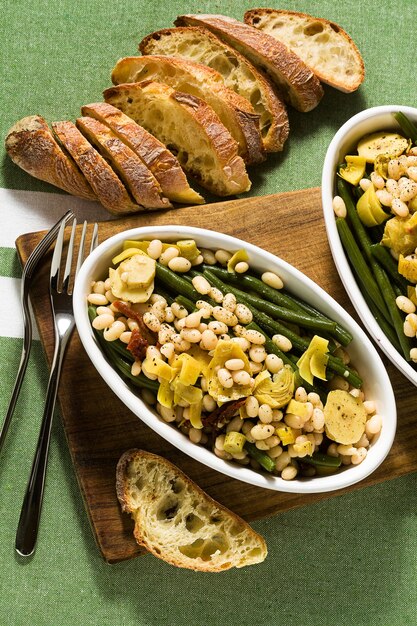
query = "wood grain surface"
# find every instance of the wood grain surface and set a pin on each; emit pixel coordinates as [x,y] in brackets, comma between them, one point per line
[99,428]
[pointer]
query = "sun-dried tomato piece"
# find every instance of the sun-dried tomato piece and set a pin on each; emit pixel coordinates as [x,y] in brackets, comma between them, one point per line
[222,413]
[134,315]
[137,345]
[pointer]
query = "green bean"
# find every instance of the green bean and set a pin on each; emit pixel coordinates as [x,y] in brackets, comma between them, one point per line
[273,327]
[360,268]
[179,285]
[259,455]
[318,459]
[186,303]
[386,327]
[382,255]
[407,126]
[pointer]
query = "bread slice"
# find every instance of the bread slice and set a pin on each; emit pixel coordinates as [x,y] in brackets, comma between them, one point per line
[189,127]
[178,522]
[163,164]
[324,46]
[299,86]
[137,178]
[234,111]
[202,46]
[31,145]
[108,187]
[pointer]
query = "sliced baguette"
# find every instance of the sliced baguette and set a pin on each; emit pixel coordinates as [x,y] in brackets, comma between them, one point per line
[324,46]
[32,146]
[163,164]
[190,127]
[299,86]
[106,184]
[202,46]
[178,522]
[234,111]
[136,176]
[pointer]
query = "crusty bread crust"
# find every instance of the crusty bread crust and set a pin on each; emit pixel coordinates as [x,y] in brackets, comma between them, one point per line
[31,145]
[299,86]
[137,178]
[202,46]
[108,187]
[203,145]
[323,45]
[178,522]
[234,111]
[162,163]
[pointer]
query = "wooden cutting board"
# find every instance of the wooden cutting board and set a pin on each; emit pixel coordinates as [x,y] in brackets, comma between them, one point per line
[98,426]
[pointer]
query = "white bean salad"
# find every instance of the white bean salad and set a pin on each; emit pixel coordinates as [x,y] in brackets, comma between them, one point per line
[232,359]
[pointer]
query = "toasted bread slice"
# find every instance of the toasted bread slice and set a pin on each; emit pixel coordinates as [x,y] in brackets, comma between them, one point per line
[108,187]
[136,176]
[31,145]
[299,86]
[202,46]
[190,127]
[163,164]
[178,522]
[324,46]
[235,112]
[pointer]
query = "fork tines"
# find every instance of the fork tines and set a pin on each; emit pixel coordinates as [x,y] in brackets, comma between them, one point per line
[64,285]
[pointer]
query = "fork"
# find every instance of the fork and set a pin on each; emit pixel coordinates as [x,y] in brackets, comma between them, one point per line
[28,271]
[64,323]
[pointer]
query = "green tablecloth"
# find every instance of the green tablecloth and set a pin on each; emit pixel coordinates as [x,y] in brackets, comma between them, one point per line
[347,561]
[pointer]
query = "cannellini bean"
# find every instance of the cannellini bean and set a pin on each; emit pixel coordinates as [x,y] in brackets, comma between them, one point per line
[346,450]
[339,206]
[136,368]
[408,189]
[168,415]
[395,169]
[365,183]
[168,255]
[392,187]
[179,264]
[300,394]
[193,320]
[99,287]
[195,435]
[294,421]
[413,355]
[114,331]
[222,256]
[208,256]
[151,321]
[126,336]
[242,342]
[167,350]
[332,450]
[241,267]
[282,342]
[218,327]
[275,451]
[225,378]
[257,354]
[102,321]
[272,280]
[234,364]
[399,208]
[209,403]
[197,261]
[384,197]
[254,336]
[241,377]
[265,414]
[224,315]
[208,340]
[405,304]
[201,284]
[274,363]
[262,431]
[373,425]
[180,344]
[314,398]
[154,249]
[252,406]
[412,172]
[179,311]
[235,424]
[243,314]
[318,419]
[216,295]
[219,442]
[358,456]
[377,180]
[205,307]
[98,298]
[229,302]
[289,472]
[191,334]
[282,461]
[261,444]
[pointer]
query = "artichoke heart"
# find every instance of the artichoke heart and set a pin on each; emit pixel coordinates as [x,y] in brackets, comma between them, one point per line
[400,234]
[122,291]
[344,417]
[190,369]
[407,267]
[388,144]
[126,254]
[238,257]
[313,361]
[188,249]
[277,390]
[224,351]
[369,208]
[354,169]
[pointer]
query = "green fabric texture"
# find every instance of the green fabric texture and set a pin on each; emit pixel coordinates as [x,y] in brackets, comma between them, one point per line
[350,560]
